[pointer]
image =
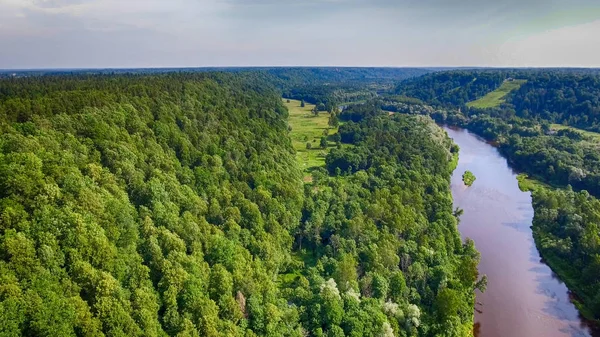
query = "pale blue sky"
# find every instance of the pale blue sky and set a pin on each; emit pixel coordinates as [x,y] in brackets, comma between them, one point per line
[178,33]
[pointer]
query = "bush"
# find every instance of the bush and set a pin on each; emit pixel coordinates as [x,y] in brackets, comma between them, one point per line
[468,178]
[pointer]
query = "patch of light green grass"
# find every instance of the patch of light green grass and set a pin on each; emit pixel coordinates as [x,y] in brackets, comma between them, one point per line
[527,183]
[496,97]
[308,128]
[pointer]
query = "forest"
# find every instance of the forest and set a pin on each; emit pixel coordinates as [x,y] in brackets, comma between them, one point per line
[323,86]
[381,223]
[564,96]
[139,205]
[330,87]
[172,204]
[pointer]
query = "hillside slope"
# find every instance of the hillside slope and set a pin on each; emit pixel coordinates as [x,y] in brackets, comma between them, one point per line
[144,205]
[563,96]
[173,205]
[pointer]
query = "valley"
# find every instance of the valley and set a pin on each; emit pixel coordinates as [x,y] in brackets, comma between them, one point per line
[203,203]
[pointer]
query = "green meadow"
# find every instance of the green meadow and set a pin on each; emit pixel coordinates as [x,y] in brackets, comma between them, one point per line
[496,97]
[308,129]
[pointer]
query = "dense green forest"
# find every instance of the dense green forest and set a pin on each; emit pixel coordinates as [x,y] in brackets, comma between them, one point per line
[172,205]
[145,205]
[290,76]
[298,76]
[381,223]
[330,87]
[323,86]
[452,88]
[572,99]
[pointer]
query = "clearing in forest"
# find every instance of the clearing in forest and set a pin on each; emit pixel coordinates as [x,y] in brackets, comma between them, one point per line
[308,129]
[595,136]
[496,97]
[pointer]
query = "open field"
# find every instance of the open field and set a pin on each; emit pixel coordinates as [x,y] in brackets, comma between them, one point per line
[308,128]
[496,97]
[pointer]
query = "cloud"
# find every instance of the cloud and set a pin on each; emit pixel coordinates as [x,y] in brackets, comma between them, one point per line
[65,33]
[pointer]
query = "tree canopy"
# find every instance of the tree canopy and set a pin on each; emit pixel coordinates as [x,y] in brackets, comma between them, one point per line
[171,204]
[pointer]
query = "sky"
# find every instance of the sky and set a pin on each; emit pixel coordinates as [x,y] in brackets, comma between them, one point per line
[397,33]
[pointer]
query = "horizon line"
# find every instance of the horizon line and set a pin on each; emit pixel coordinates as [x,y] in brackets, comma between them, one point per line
[294,66]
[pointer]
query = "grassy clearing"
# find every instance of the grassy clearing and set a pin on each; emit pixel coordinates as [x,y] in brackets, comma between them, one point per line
[527,183]
[496,97]
[595,136]
[308,128]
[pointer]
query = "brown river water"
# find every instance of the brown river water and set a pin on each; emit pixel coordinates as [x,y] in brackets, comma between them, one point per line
[524,298]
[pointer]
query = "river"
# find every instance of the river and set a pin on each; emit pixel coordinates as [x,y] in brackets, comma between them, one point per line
[524,297]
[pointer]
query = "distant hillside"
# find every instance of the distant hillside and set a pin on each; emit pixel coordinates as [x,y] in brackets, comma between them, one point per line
[570,96]
[452,87]
[332,75]
[326,87]
[291,75]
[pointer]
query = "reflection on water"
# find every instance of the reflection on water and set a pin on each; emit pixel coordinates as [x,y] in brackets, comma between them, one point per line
[523,297]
